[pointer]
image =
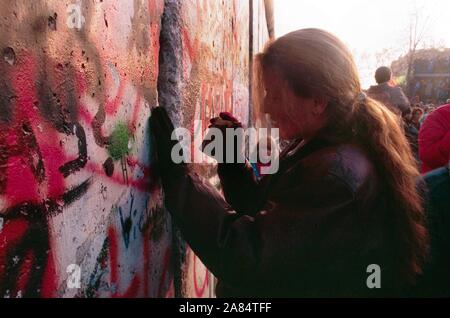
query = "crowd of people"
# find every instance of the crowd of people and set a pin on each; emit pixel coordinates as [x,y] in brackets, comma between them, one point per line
[430,90]
[431,65]
[430,83]
[426,125]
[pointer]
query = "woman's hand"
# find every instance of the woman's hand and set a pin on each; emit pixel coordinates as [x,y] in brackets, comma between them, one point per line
[161,128]
[224,121]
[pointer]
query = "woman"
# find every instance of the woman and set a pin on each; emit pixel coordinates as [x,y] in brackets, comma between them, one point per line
[344,197]
[417,114]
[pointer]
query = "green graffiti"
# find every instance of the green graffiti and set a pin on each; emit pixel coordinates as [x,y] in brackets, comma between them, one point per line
[120,137]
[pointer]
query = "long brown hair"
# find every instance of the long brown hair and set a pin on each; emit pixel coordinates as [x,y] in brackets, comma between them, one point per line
[316,63]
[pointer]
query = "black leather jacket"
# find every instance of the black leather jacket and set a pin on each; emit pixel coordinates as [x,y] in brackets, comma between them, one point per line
[310,230]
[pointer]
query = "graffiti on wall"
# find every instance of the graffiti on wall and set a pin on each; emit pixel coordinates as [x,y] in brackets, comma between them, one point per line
[74,147]
[215,78]
[215,63]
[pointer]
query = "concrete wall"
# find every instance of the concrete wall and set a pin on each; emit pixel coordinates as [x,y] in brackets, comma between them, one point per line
[77,84]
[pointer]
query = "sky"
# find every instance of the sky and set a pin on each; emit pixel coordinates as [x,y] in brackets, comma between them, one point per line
[376,31]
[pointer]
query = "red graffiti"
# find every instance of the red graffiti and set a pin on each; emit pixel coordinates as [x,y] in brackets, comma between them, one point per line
[33,185]
[33,168]
[113,105]
[137,284]
[27,268]
[200,290]
[146,262]
[133,289]
[136,109]
[165,270]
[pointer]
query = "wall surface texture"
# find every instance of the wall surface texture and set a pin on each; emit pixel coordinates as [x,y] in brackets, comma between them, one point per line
[81,211]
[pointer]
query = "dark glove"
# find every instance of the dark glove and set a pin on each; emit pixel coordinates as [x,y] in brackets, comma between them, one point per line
[161,128]
[224,121]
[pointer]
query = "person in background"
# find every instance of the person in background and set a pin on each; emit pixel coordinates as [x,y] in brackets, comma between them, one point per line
[427,111]
[434,139]
[391,96]
[412,134]
[416,117]
[344,197]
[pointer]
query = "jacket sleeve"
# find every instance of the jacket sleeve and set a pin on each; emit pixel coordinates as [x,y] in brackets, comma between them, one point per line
[434,142]
[297,229]
[400,99]
[240,186]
